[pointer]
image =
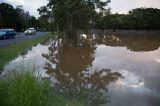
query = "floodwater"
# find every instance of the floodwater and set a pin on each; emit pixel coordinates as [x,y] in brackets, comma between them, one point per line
[108,69]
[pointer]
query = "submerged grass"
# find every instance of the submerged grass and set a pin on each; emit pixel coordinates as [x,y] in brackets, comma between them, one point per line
[10,52]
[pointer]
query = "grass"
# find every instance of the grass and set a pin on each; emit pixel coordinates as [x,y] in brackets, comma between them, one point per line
[27,89]
[10,52]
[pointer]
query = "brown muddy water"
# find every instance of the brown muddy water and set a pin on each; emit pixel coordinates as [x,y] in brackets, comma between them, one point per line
[110,69]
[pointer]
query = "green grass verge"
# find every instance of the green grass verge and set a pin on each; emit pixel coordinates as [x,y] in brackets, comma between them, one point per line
[27,89]
[10,52]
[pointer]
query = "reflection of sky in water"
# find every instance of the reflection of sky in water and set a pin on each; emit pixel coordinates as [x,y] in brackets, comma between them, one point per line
[141,70]
[32,59]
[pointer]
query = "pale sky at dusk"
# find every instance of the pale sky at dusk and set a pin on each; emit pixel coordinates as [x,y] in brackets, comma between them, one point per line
[120,6]
[123,6]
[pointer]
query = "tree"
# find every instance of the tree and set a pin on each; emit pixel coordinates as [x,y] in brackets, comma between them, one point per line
[9,16]
[16,18]
[139,18]
[145,18]
[22,21]
[71,15]
[45,21]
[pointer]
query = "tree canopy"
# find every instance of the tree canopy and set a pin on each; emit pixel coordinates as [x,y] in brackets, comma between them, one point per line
[139,18]
[16,18]
[72,15]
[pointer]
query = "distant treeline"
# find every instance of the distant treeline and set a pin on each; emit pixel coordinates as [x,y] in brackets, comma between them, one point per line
[139,18]
[17,18]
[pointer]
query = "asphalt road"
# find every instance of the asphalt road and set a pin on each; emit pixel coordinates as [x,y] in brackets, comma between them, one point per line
[20,37]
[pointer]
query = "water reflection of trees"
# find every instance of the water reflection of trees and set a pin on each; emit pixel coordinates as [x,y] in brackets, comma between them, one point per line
[134,41]
[74,77]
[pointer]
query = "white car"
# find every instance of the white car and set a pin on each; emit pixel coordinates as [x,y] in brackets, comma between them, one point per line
[30,31]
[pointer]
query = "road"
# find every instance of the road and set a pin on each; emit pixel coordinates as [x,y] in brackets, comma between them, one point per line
[20,37]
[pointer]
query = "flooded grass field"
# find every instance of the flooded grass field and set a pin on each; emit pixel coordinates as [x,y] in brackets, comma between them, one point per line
[110,69]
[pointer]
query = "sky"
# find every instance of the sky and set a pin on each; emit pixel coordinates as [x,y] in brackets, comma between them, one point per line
[123,6]
[120,6]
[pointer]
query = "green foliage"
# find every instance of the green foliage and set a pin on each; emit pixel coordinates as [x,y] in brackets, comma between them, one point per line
[44,24]
[145,18]
[27,89]
[16,18]
[140,18]
[71,15]
[8,16]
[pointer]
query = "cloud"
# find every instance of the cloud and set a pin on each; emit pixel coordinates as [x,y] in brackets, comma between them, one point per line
[123,6]
[29,5]
[149,3]
[1,1]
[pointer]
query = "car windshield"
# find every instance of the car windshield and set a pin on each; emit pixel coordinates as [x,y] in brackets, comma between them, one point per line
[3,31]
[30,29]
